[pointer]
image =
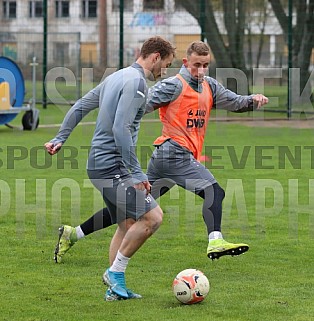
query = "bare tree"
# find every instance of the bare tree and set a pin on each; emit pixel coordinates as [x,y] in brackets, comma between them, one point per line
[303,38]
[260,23]
[228,51]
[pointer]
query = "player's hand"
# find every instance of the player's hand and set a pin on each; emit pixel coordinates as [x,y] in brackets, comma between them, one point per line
[148,186]
[260,100]
[139,186]
[53,148]
[143,186]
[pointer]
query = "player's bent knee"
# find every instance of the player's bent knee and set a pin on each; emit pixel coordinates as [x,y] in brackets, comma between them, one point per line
[128,223]
[158,215]
[157,218]
[214,191]
[154,218]
[221,192]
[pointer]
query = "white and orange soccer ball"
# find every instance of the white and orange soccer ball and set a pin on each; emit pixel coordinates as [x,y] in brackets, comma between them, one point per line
[190,286]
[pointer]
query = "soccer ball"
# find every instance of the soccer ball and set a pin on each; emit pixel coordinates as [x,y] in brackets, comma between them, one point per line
[190,286]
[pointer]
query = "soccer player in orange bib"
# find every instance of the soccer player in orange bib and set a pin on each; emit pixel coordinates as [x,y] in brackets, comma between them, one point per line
[184,104]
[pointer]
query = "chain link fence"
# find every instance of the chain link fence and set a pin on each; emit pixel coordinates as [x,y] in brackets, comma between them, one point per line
[89,39]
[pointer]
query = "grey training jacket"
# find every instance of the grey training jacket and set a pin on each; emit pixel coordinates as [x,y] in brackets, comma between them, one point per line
[121,99]
[169,89]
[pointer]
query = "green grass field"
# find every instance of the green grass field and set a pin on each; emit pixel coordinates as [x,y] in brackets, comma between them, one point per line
[268,177]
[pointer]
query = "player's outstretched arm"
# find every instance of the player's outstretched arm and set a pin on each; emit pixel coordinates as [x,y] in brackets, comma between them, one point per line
[76,113]
[228,100]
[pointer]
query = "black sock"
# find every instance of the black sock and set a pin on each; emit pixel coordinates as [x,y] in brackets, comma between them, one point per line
[212,206]
[98,221]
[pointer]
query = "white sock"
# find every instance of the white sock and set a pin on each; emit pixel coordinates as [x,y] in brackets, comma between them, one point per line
[214,235]
[79,233]
[120,263]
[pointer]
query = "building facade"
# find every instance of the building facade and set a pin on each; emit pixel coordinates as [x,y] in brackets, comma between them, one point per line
[87,32]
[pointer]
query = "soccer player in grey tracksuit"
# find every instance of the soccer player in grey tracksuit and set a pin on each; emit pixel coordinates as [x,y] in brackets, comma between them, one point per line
[174,163]
[112,164]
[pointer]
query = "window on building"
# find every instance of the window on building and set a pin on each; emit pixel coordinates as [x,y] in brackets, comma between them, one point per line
[9,9]
[153,5]
[62,9]
[89,8]
[128,5]
[61,53]
[35,9]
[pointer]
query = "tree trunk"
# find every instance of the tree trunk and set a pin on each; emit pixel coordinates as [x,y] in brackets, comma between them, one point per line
[261,38]
[303,41]
[231,55]
[226,56]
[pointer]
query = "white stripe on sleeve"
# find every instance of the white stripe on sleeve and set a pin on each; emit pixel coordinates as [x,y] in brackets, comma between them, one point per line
[139,92]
